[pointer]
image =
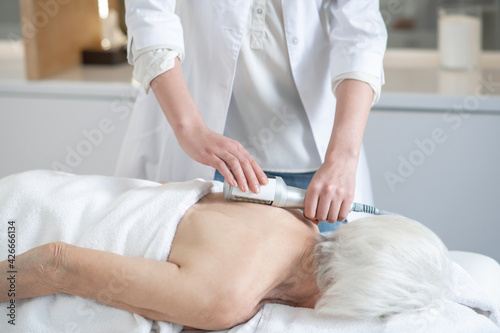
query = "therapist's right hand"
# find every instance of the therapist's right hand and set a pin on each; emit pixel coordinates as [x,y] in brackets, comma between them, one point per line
[228,156]
[198,141]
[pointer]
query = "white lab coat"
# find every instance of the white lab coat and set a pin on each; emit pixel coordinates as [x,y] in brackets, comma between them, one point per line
[324,39]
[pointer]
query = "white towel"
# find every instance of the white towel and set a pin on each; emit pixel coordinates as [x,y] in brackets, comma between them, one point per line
[125,216]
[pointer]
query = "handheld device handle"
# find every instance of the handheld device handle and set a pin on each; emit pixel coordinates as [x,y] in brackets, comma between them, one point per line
[274,193]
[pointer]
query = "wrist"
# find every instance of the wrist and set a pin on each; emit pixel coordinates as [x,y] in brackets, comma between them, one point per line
[190,126]
[348,155]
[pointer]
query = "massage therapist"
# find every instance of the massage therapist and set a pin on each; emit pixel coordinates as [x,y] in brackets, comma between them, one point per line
[276,86]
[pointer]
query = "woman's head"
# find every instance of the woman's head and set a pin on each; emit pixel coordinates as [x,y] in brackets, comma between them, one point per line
[380,266]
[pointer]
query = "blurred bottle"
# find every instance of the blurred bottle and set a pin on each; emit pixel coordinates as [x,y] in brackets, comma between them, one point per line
[460,34]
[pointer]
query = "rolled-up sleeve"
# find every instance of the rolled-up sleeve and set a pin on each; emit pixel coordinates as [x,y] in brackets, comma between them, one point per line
[358,37]
[153,23]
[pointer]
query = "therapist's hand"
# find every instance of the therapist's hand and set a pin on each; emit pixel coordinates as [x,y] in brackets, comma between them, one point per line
[228,156]
[331,191]
[197,140]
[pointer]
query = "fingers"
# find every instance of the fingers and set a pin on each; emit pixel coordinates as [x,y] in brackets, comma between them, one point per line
[259,173]
[245,172]
[228,156]
[221,166]
[253,171]
[240,168]
[235,169]
[310,205]
[327,204]
[345,208]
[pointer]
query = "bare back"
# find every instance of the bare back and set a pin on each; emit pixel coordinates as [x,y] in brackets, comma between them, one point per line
[231,245]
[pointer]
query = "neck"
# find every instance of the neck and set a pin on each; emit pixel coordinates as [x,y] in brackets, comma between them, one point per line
[299,288]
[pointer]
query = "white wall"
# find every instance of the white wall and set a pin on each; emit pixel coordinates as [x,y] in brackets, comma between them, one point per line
[453,189]
[72,133]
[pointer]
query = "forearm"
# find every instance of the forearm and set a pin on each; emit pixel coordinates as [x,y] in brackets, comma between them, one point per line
[175,100]
[354,99]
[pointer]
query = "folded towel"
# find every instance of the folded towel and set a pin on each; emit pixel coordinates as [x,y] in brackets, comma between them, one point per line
[125,216]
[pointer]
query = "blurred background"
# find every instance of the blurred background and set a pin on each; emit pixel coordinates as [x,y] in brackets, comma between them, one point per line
[410,23]
[413,23]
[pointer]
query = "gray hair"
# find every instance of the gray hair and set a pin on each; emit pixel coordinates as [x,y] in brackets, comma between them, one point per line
[380,266]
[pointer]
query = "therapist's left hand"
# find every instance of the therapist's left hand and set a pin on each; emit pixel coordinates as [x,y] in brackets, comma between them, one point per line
[331,191]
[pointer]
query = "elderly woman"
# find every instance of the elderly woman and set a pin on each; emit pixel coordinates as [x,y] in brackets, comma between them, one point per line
[226,259]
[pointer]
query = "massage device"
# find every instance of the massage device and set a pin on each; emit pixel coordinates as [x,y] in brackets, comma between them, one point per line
[277,193]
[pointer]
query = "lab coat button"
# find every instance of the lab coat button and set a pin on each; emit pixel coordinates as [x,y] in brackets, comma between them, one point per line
[259,11]
[295,41]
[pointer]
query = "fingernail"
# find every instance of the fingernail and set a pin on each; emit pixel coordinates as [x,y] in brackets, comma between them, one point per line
[256,189]
[264,180]
[244,188]
[232,182]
